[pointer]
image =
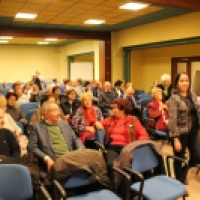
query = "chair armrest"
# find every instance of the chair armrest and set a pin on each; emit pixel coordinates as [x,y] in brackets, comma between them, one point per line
[58,189]
[146,120]
[178,159]
[43,194]
[100,146]
[140,176]
[127,181]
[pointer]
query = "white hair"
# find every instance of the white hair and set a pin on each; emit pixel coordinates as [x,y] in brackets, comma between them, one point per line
[46,106]
[107,83]
[129,90]
[165,77]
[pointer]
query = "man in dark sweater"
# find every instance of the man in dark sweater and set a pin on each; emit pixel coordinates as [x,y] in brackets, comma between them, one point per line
[106,97]
[9,146]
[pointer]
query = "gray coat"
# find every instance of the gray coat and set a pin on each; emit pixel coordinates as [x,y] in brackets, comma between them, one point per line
[106,99]
[40,141]
[178,111]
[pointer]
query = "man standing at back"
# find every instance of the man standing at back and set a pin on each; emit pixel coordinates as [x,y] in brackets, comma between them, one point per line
[52,137]
[106,97]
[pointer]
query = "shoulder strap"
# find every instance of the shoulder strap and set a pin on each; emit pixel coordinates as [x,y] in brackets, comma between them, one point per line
[132,128]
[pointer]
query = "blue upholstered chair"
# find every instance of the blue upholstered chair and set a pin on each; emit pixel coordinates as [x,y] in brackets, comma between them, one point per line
[143,102]
[80,179]
[140,91]
[15,183]
[158,187]
[21,126]
[29,115]
[26,107]
[144,95]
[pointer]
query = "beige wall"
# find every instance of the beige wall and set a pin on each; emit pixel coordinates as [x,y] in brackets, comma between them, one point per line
[183,26]
[79,48]
[19,62]
[149,64]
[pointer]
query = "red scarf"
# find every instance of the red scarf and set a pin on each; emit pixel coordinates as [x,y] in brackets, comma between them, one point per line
[89,115]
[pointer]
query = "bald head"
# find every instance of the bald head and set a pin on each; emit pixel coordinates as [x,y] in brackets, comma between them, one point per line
[107,86]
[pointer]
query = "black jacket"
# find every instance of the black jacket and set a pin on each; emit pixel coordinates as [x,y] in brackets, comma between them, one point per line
[38,83]
[165,98]
[65,106]
[9,146]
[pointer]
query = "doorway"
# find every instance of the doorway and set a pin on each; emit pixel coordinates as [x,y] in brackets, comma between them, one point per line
[190,65]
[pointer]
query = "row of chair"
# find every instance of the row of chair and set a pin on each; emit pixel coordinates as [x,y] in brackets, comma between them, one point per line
[155,188]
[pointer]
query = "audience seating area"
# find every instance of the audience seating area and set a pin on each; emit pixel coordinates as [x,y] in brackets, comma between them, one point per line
[15,179]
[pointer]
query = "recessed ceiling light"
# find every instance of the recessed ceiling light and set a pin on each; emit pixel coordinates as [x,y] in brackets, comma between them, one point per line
[94,21]
[25,15]
[51,39]
[133,6]
[42,43]
[6,37]
[4,41]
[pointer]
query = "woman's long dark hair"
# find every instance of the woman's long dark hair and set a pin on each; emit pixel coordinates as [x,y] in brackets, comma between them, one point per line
[177,78]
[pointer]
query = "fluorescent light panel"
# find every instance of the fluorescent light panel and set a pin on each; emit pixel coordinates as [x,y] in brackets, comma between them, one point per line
[133,6]
[42,43]
[51,39]
[94,21]
[25,15]
[4,41]
[6,37]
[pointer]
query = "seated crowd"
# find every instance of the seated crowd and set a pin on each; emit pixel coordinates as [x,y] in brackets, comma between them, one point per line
[69,120]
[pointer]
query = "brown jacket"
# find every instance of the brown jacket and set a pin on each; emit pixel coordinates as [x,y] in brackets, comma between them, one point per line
[89,160]
[178,111]
[37,116]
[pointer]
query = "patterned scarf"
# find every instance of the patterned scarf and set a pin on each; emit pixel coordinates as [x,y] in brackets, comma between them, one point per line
[89,115]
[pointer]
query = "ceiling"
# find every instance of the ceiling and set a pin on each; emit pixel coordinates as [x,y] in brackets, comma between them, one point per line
[71,14]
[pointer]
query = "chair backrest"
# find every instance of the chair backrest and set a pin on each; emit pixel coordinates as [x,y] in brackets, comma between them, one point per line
[21,126]
[78,179]
[25,107]
[144,159]
[4,92]
[15,182]
[62,89]
[145,101]
[140,91]
[144,113]
[100,136]
[143,96]
[29,115]
[10,85]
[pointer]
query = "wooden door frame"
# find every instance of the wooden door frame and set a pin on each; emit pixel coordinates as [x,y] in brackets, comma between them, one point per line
[188,60]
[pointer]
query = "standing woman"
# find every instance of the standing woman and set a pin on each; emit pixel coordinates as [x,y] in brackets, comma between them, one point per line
[184,120]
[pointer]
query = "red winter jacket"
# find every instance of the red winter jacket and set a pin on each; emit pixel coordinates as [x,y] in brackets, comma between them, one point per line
[120,131]
[156,114]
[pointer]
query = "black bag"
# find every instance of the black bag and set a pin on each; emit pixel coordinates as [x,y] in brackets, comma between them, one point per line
[31,162]
[194,148]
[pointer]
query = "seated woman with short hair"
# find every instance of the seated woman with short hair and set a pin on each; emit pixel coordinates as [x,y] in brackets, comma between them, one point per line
[121,129]
[70,105]
[86,117]
[13,110]
[158,111]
